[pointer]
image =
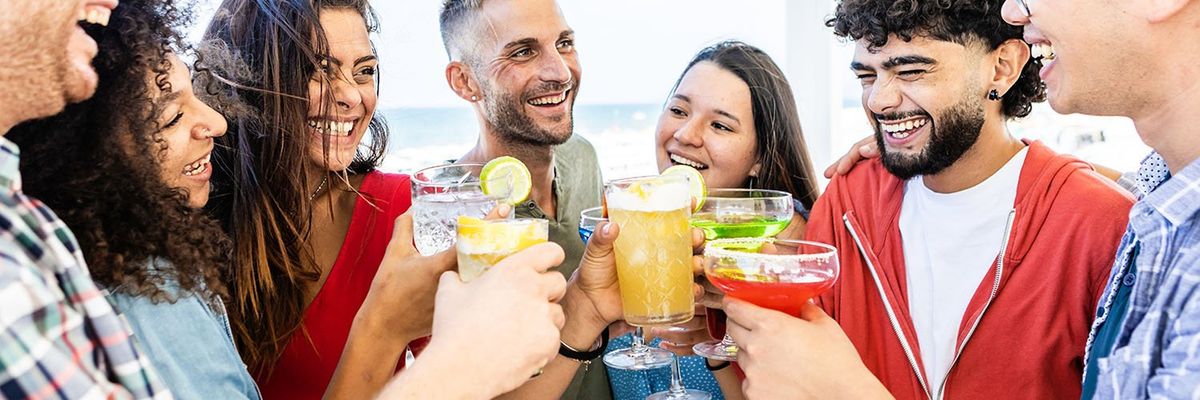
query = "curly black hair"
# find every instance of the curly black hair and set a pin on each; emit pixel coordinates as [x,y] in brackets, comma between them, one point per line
[958,21]
[90,165]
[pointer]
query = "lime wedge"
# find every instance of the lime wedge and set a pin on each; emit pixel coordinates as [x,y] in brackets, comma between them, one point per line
[507,177]
[699,189]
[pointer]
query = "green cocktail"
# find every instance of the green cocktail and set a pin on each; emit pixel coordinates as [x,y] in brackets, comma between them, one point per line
[739,226]
[743,213]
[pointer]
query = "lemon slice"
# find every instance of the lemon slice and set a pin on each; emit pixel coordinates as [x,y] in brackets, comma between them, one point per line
[699,189]
[506,177]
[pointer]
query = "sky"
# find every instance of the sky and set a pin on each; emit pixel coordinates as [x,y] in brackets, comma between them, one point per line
[631,51]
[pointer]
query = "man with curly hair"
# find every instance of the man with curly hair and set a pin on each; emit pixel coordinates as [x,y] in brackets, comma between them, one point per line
[60,338]
[1145,342]
[971,261]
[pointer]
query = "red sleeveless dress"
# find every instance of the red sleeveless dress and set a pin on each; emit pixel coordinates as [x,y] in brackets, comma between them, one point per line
[306,366]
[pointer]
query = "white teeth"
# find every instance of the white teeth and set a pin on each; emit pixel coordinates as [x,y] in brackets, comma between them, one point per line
[95,15]
[687,162]
[1044,51]
[332,128]
[196,168]
[549,100]
[904,129]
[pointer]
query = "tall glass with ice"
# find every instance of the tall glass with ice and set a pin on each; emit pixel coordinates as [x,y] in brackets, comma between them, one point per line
[654,249]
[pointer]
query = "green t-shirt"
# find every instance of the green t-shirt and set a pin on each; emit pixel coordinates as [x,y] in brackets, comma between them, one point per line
[577,187]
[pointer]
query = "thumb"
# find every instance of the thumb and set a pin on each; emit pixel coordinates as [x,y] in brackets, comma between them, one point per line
[600,245]
[501,211]
[449,283]
[443,261]
[812,313]
[402,236]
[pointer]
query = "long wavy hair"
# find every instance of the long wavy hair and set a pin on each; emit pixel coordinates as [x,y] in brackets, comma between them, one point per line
[264,53]
[780,149]
[89,165]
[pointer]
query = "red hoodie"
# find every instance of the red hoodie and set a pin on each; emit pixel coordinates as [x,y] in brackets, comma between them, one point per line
[1022,335]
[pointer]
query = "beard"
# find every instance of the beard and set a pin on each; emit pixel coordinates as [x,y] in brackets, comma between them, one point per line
[507,115]
[36,70]
[950,136]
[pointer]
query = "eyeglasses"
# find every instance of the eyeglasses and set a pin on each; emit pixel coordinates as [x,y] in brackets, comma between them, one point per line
[1024,7]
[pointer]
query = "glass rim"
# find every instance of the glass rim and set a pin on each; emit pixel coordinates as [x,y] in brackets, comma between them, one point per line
[525,220]
[717,251]
[775,194]
[645,178]
[583,215]
[417,180]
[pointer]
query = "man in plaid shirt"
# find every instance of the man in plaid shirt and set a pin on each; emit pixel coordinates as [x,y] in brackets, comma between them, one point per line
[61,338]
[1145,341]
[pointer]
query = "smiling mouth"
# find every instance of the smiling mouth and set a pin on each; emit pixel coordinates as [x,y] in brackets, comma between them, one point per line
[549,101]
[332,128]
[199,166]
[680,160]
[904,129]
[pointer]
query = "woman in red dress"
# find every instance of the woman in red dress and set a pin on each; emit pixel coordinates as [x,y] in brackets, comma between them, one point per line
[297,189]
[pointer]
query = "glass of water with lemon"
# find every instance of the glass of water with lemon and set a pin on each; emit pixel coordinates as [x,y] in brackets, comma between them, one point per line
[443,193]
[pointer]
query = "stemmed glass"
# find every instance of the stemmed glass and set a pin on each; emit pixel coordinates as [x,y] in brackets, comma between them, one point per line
[771,273]
[653,257]
[591,218]
[443,193]
[738,213]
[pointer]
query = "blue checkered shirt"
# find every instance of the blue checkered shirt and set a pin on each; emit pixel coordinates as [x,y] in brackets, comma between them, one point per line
[1157,350]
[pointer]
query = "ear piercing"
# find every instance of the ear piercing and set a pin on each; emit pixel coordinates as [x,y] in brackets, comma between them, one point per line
[994,95]
[474,98]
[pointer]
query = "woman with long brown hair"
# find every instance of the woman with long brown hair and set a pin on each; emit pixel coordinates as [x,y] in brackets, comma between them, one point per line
[296,188]
[732,116]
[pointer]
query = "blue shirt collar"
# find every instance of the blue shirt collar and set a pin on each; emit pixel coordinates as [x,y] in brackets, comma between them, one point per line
[1178,197]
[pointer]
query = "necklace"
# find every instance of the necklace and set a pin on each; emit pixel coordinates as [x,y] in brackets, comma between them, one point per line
[320,188]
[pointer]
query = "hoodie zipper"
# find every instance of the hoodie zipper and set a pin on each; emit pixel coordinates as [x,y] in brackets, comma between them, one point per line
[995,288]
[912,361]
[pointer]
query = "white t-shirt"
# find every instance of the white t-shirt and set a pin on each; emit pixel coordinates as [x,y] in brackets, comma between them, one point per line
[950,242]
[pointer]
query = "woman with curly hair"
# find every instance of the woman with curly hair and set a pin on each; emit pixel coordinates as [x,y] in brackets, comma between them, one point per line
[297,190]
[128,171]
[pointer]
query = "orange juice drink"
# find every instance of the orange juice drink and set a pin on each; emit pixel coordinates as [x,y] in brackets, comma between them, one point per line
[654,249]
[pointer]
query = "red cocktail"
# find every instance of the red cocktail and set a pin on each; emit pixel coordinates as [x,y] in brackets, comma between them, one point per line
[777,274]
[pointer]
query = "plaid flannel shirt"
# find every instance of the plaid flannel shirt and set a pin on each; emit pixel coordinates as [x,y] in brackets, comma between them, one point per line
[1157,350]
[61,338]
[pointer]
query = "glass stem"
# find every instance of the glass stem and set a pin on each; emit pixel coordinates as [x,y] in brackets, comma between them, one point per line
[727,341]
[639,343]
[677,388]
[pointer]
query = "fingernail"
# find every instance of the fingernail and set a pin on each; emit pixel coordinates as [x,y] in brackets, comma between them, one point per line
[607,229]
[504,209]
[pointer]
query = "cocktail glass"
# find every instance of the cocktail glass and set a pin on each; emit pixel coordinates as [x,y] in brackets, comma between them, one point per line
[771,273]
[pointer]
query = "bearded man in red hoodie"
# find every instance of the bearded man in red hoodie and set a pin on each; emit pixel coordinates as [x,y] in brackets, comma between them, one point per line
[971,261]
